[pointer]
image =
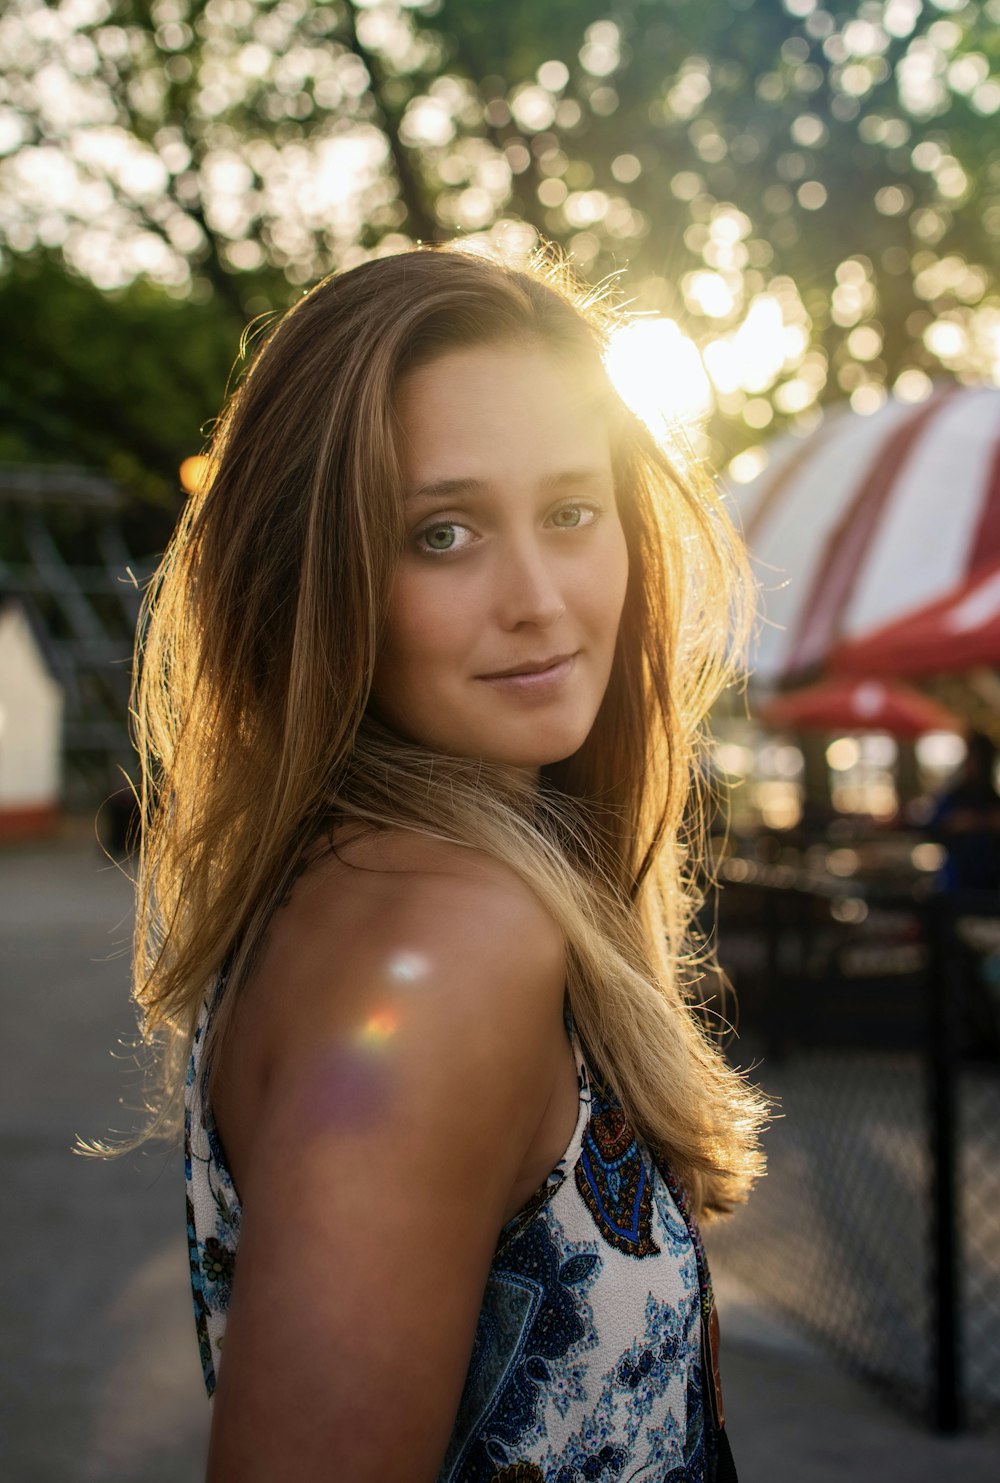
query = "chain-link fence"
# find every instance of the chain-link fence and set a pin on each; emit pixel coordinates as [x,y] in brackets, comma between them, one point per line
[874,1019]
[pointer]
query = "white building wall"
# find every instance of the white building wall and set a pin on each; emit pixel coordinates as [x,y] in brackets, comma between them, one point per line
[30,718]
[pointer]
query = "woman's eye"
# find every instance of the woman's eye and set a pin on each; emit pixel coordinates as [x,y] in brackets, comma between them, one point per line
[442,537]
[571,516]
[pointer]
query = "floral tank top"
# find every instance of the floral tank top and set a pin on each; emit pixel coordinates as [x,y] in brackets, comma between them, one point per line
[595,1350]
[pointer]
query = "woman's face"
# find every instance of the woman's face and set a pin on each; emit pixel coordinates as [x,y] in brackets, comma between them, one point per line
[506,602]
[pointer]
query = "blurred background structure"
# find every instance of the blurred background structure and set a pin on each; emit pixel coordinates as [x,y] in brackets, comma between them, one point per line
[803,200]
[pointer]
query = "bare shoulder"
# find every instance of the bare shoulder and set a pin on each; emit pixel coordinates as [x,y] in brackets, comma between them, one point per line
[393,937]
[402,908]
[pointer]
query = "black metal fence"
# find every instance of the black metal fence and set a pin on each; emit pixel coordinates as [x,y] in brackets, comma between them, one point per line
[874,1018]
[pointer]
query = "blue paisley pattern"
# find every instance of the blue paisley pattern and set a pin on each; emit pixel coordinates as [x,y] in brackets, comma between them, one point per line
[589,1360]
[615,1183]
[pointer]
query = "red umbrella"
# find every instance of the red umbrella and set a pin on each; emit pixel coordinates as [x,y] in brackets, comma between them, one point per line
[958,632]
[845,704]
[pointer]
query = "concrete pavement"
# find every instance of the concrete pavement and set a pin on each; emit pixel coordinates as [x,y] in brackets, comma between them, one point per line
[98,1365]
[98,1369]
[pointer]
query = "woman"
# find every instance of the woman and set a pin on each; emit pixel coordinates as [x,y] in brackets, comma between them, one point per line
[420,702]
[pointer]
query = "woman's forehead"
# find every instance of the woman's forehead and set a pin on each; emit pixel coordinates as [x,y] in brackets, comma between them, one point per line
[474,408]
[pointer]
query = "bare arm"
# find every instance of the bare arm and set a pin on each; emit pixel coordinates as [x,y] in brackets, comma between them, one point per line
[413,1028]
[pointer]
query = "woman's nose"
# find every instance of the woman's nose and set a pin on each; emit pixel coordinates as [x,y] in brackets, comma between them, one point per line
[529,587]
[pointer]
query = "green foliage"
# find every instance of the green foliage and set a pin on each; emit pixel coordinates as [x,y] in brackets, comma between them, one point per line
[119,382]
[813,195]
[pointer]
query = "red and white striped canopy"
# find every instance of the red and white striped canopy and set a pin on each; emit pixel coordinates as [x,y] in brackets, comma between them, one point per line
[868,519]
[958,632]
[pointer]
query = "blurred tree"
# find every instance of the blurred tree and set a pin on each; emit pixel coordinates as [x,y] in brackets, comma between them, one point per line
[117,381]
[812,194]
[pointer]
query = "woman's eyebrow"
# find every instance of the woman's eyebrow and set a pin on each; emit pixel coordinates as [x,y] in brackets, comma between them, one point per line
[442,488]
[565,479]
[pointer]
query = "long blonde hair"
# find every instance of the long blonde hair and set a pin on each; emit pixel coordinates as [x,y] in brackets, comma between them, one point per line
[256,665]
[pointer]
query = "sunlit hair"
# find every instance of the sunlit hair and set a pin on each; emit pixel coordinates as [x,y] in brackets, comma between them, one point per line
[256,669]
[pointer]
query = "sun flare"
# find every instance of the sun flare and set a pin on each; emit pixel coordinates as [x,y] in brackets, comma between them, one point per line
[657,371]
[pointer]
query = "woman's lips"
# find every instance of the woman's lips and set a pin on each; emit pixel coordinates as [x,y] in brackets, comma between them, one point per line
[540,682]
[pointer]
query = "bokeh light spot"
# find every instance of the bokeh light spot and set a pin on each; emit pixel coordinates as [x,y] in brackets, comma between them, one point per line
[811,195]
[913,385]
[867,398]
[196,473]
[747,465]
[844,753]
